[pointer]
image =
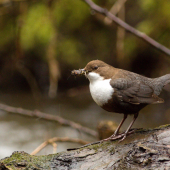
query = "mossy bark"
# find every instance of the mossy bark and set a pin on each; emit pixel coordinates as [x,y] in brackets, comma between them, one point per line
[145,149]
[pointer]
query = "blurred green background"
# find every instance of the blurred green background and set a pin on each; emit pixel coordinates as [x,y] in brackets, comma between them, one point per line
[42,41]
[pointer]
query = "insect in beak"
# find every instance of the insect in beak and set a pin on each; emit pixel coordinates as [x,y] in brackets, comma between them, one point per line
[78,72]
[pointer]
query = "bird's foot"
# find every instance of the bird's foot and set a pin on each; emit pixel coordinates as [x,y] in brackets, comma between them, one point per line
[111,138]
[125,135]
[119,136]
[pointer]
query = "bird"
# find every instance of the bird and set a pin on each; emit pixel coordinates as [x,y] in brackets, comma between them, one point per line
[121,91]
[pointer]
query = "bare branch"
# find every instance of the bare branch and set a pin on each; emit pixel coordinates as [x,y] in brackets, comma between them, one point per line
[129,28]
[46,116]
[115,9]
[54,70]
[57,139]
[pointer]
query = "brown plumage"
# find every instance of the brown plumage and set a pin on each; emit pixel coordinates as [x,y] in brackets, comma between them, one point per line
[131,92]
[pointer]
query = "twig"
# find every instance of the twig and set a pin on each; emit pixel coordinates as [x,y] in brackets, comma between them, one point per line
[53,65]
[57,139]
[115,9]
[104,140]
[46,116]
[129,28]
[54,147]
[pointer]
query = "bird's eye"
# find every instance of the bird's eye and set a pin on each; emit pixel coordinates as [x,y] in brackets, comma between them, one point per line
[95,67]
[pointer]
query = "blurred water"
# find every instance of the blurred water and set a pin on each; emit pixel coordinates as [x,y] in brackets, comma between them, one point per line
[20,133]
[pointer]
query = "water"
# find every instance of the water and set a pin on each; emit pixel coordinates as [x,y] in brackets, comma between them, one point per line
[21,133]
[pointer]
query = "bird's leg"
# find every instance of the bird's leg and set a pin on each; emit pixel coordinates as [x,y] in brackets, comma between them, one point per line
[117,130]
[120,125]
[131,124]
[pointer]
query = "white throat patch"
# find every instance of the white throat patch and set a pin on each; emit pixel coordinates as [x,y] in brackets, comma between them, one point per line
[100,89]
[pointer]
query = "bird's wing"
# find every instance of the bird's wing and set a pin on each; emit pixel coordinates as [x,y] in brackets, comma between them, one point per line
[134,92]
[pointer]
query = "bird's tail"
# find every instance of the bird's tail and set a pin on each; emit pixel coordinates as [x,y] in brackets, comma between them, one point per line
[160,82]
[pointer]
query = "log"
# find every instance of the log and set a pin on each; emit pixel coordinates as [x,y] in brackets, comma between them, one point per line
[145,149]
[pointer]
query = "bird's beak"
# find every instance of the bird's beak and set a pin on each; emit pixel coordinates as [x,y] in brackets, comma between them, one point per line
[82,71]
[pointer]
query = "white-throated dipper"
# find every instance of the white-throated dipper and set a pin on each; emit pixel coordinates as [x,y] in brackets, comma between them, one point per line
[121,91]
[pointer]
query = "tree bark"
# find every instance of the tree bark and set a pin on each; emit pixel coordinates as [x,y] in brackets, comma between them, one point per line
[145,149]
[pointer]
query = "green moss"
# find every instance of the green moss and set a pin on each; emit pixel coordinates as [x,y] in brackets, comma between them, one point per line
[163,126]
[23,160]
[112,150]
[26,161]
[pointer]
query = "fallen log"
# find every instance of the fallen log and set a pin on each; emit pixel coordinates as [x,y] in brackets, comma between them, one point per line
[145,149]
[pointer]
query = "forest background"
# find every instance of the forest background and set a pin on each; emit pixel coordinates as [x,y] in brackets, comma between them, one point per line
[42,41]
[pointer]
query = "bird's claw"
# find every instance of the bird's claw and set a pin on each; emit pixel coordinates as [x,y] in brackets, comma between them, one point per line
[119,136]
[122,138]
